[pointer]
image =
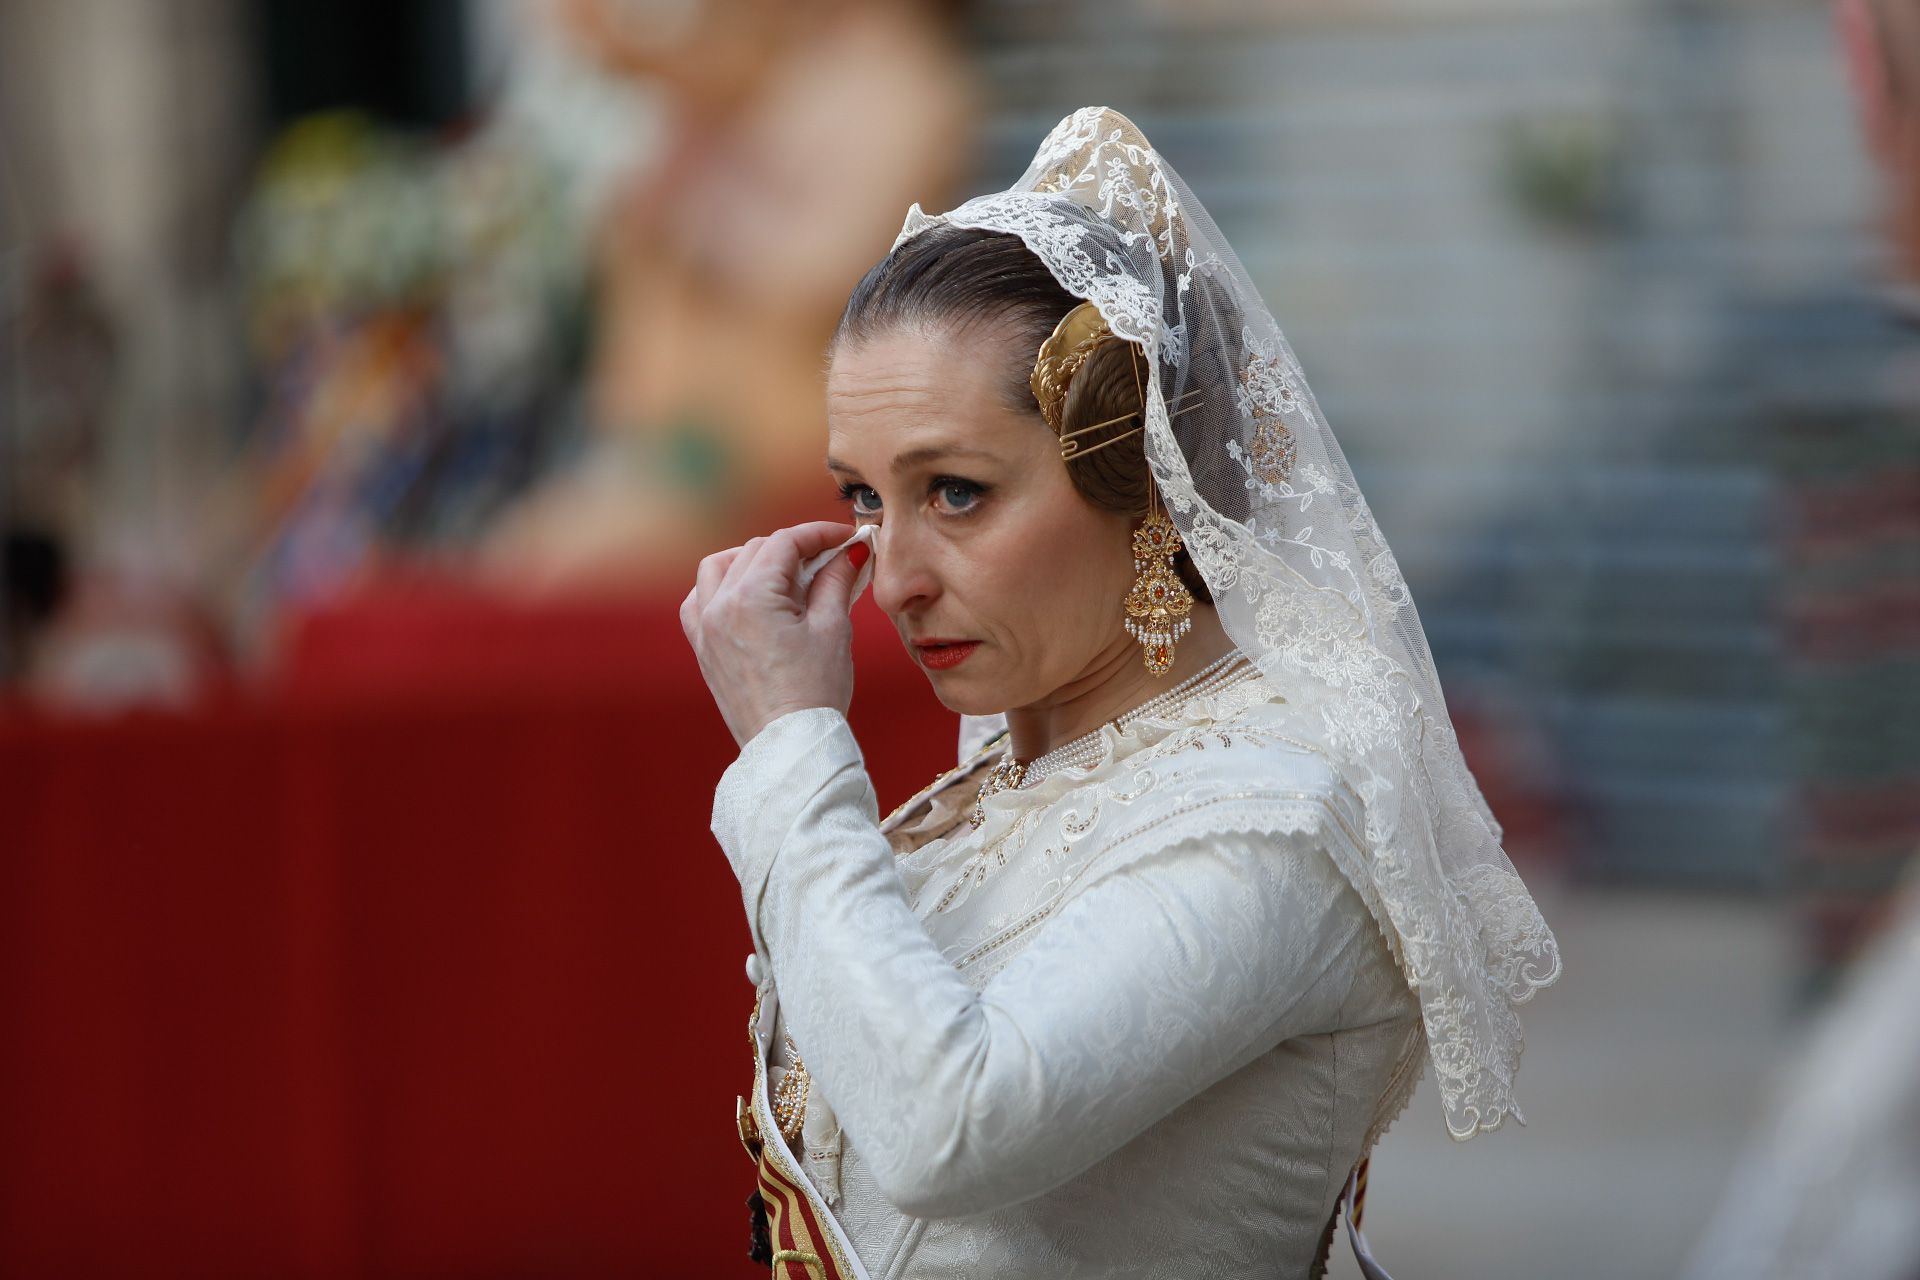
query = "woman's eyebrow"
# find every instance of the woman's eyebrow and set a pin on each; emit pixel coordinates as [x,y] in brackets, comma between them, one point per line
[915,457]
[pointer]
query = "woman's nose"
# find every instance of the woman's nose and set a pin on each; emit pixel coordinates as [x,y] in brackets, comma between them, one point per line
[901,575]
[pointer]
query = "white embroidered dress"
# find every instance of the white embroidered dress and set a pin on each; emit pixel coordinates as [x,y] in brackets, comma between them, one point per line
[1136,1023]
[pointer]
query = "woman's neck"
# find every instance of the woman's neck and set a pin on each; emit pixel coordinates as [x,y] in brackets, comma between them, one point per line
[1116,681]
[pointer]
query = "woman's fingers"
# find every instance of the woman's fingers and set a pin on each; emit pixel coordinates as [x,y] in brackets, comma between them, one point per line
[780,558]
[790,546]
[815,536]
[833,588]
[712,572]
[743,564]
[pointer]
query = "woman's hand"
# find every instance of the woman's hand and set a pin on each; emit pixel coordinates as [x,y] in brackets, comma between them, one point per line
[765,649]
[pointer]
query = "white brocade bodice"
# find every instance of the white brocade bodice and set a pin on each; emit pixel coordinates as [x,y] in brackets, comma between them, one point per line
[1136,1023]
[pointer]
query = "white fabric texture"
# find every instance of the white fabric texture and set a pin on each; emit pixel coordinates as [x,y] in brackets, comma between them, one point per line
[1138,1023]
[1301,578]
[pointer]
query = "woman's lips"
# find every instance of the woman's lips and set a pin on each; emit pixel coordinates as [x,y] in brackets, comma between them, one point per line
[948,654]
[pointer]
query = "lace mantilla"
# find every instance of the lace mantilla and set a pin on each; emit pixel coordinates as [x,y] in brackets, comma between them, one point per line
[1303,581]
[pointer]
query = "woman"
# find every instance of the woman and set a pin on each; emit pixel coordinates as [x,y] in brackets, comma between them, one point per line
[1135,988]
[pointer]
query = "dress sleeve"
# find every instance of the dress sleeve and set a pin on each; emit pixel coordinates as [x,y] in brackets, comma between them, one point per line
[1145,987]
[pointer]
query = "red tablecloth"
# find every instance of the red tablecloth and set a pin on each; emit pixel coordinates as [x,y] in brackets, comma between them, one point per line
[426,964]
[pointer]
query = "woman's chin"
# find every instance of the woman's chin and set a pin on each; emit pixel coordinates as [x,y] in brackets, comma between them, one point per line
[961,696]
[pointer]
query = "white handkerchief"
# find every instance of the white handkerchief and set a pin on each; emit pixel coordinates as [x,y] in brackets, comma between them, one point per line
[811,567]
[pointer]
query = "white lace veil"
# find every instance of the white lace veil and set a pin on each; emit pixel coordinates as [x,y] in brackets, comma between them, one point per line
[1303,581]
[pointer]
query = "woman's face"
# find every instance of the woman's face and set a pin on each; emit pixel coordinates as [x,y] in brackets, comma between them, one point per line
[983,538]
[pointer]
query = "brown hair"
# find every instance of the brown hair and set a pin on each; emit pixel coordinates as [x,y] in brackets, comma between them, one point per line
[962,278]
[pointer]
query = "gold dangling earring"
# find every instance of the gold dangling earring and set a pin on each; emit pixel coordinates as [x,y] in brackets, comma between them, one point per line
[1159,603]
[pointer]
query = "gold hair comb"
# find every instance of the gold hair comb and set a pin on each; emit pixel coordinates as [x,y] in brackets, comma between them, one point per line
[1061,355]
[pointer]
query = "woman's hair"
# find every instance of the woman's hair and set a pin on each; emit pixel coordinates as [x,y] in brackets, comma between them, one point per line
[959,278]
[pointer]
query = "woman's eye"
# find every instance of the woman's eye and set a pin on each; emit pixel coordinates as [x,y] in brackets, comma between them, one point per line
[958,495]
[865,501]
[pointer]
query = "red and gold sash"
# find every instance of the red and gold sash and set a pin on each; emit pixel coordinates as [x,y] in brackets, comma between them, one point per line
[801,1250]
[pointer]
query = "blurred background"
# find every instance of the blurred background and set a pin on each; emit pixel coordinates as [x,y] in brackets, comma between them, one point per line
[374,375]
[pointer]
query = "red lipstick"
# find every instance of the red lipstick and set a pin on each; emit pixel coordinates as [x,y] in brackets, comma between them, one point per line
[940,654]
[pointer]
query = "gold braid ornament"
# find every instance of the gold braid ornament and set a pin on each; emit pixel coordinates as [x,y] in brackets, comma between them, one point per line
[790,1095]
[1159,606]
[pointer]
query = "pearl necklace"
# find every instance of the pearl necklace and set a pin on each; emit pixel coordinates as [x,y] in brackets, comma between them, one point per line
[1009,774]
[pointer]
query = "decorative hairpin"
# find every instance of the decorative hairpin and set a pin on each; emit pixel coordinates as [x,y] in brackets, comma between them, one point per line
[1070,448]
